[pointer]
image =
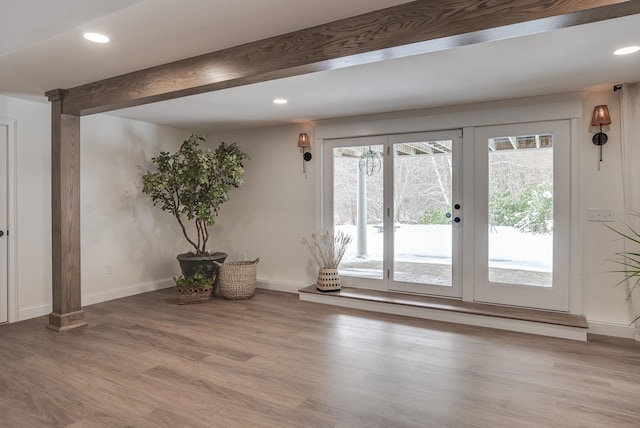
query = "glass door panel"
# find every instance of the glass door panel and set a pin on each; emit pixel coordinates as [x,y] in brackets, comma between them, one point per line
[358,207]
[423,231]
[521,209]
[522,214]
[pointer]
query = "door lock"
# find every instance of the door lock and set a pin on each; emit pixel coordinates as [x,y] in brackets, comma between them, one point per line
[457,219]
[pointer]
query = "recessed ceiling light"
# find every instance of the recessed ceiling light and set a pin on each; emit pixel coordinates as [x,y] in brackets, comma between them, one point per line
[96,38]
[627,50]
[280,101]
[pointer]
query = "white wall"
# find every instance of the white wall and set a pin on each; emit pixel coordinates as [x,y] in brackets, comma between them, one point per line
[128,245]
[602,302]
[119,226]
[33,211]
[265,218]
[274,208]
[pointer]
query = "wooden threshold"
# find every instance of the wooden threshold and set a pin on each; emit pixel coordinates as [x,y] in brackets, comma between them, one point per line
[524,320]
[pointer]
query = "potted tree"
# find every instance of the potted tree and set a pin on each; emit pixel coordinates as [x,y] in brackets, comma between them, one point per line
[192,184]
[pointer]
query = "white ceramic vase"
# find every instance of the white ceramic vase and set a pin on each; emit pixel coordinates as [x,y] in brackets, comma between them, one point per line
[328,280]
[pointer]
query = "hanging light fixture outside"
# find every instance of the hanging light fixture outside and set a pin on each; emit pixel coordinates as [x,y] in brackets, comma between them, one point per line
[370,162]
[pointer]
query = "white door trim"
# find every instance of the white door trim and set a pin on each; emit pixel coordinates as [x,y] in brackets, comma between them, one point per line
[12,183]
[558,296]
[387,141]
[327,206]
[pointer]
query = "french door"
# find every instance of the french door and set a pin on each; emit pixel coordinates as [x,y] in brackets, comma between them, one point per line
[399,199]
[402,197]
[522,214]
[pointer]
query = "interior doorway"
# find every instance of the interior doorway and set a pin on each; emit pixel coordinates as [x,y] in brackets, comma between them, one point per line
[4,214]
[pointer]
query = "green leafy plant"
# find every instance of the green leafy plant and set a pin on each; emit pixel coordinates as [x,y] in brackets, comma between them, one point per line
[193,183]
[629,260]
[434,217]
[531,210]
[197,280]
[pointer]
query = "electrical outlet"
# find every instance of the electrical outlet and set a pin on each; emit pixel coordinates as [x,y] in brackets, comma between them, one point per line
[596,214]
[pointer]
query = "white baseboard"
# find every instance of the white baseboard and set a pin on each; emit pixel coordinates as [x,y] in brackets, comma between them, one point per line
[118,293]
[91,299]
[609,329]
[34,312]
[278,286]
[542,329]
[595,327]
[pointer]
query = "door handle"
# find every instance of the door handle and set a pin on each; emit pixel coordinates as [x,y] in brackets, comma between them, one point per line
[457,219]
[1,233]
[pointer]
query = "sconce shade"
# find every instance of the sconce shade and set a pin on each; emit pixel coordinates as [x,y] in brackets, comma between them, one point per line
[600,116]
[303,140]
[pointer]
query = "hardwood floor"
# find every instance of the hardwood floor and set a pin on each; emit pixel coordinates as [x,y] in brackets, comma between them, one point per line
[274,361]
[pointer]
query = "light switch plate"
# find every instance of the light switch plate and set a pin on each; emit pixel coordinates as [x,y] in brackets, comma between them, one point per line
[596,214]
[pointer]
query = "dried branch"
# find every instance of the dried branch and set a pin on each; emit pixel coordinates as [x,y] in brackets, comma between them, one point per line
[326,249]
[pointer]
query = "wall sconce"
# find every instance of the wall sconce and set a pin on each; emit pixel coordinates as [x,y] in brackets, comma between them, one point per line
[600,117]
[304,142]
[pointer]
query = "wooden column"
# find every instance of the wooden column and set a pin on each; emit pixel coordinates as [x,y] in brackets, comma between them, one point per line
[65,214]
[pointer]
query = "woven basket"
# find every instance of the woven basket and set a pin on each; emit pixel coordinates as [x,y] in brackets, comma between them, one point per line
[238,279]
[191,294]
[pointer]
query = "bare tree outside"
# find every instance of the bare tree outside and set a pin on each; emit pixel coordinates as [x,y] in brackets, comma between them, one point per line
[520,202]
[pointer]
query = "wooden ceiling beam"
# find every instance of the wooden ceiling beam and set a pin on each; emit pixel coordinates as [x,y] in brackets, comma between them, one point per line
[408,29]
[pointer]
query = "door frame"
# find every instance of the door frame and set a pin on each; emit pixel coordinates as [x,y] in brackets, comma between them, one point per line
[12,182]
[546,108]
[553,298]
[387,141]
[328,207]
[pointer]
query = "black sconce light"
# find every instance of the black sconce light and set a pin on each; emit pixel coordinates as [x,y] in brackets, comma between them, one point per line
[600,117]
[305,144]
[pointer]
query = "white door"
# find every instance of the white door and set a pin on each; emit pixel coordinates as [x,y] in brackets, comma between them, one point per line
[399,198]
[355,204]
[522,212]
[3,224]
[425,221]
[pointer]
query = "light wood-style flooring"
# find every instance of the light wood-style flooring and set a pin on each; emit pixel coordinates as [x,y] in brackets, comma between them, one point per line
[274,361]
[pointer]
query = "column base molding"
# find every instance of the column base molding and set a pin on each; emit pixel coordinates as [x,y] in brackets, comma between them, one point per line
[64,322]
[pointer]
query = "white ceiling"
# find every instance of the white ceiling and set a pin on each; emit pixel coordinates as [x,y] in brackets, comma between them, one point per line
[50,53]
